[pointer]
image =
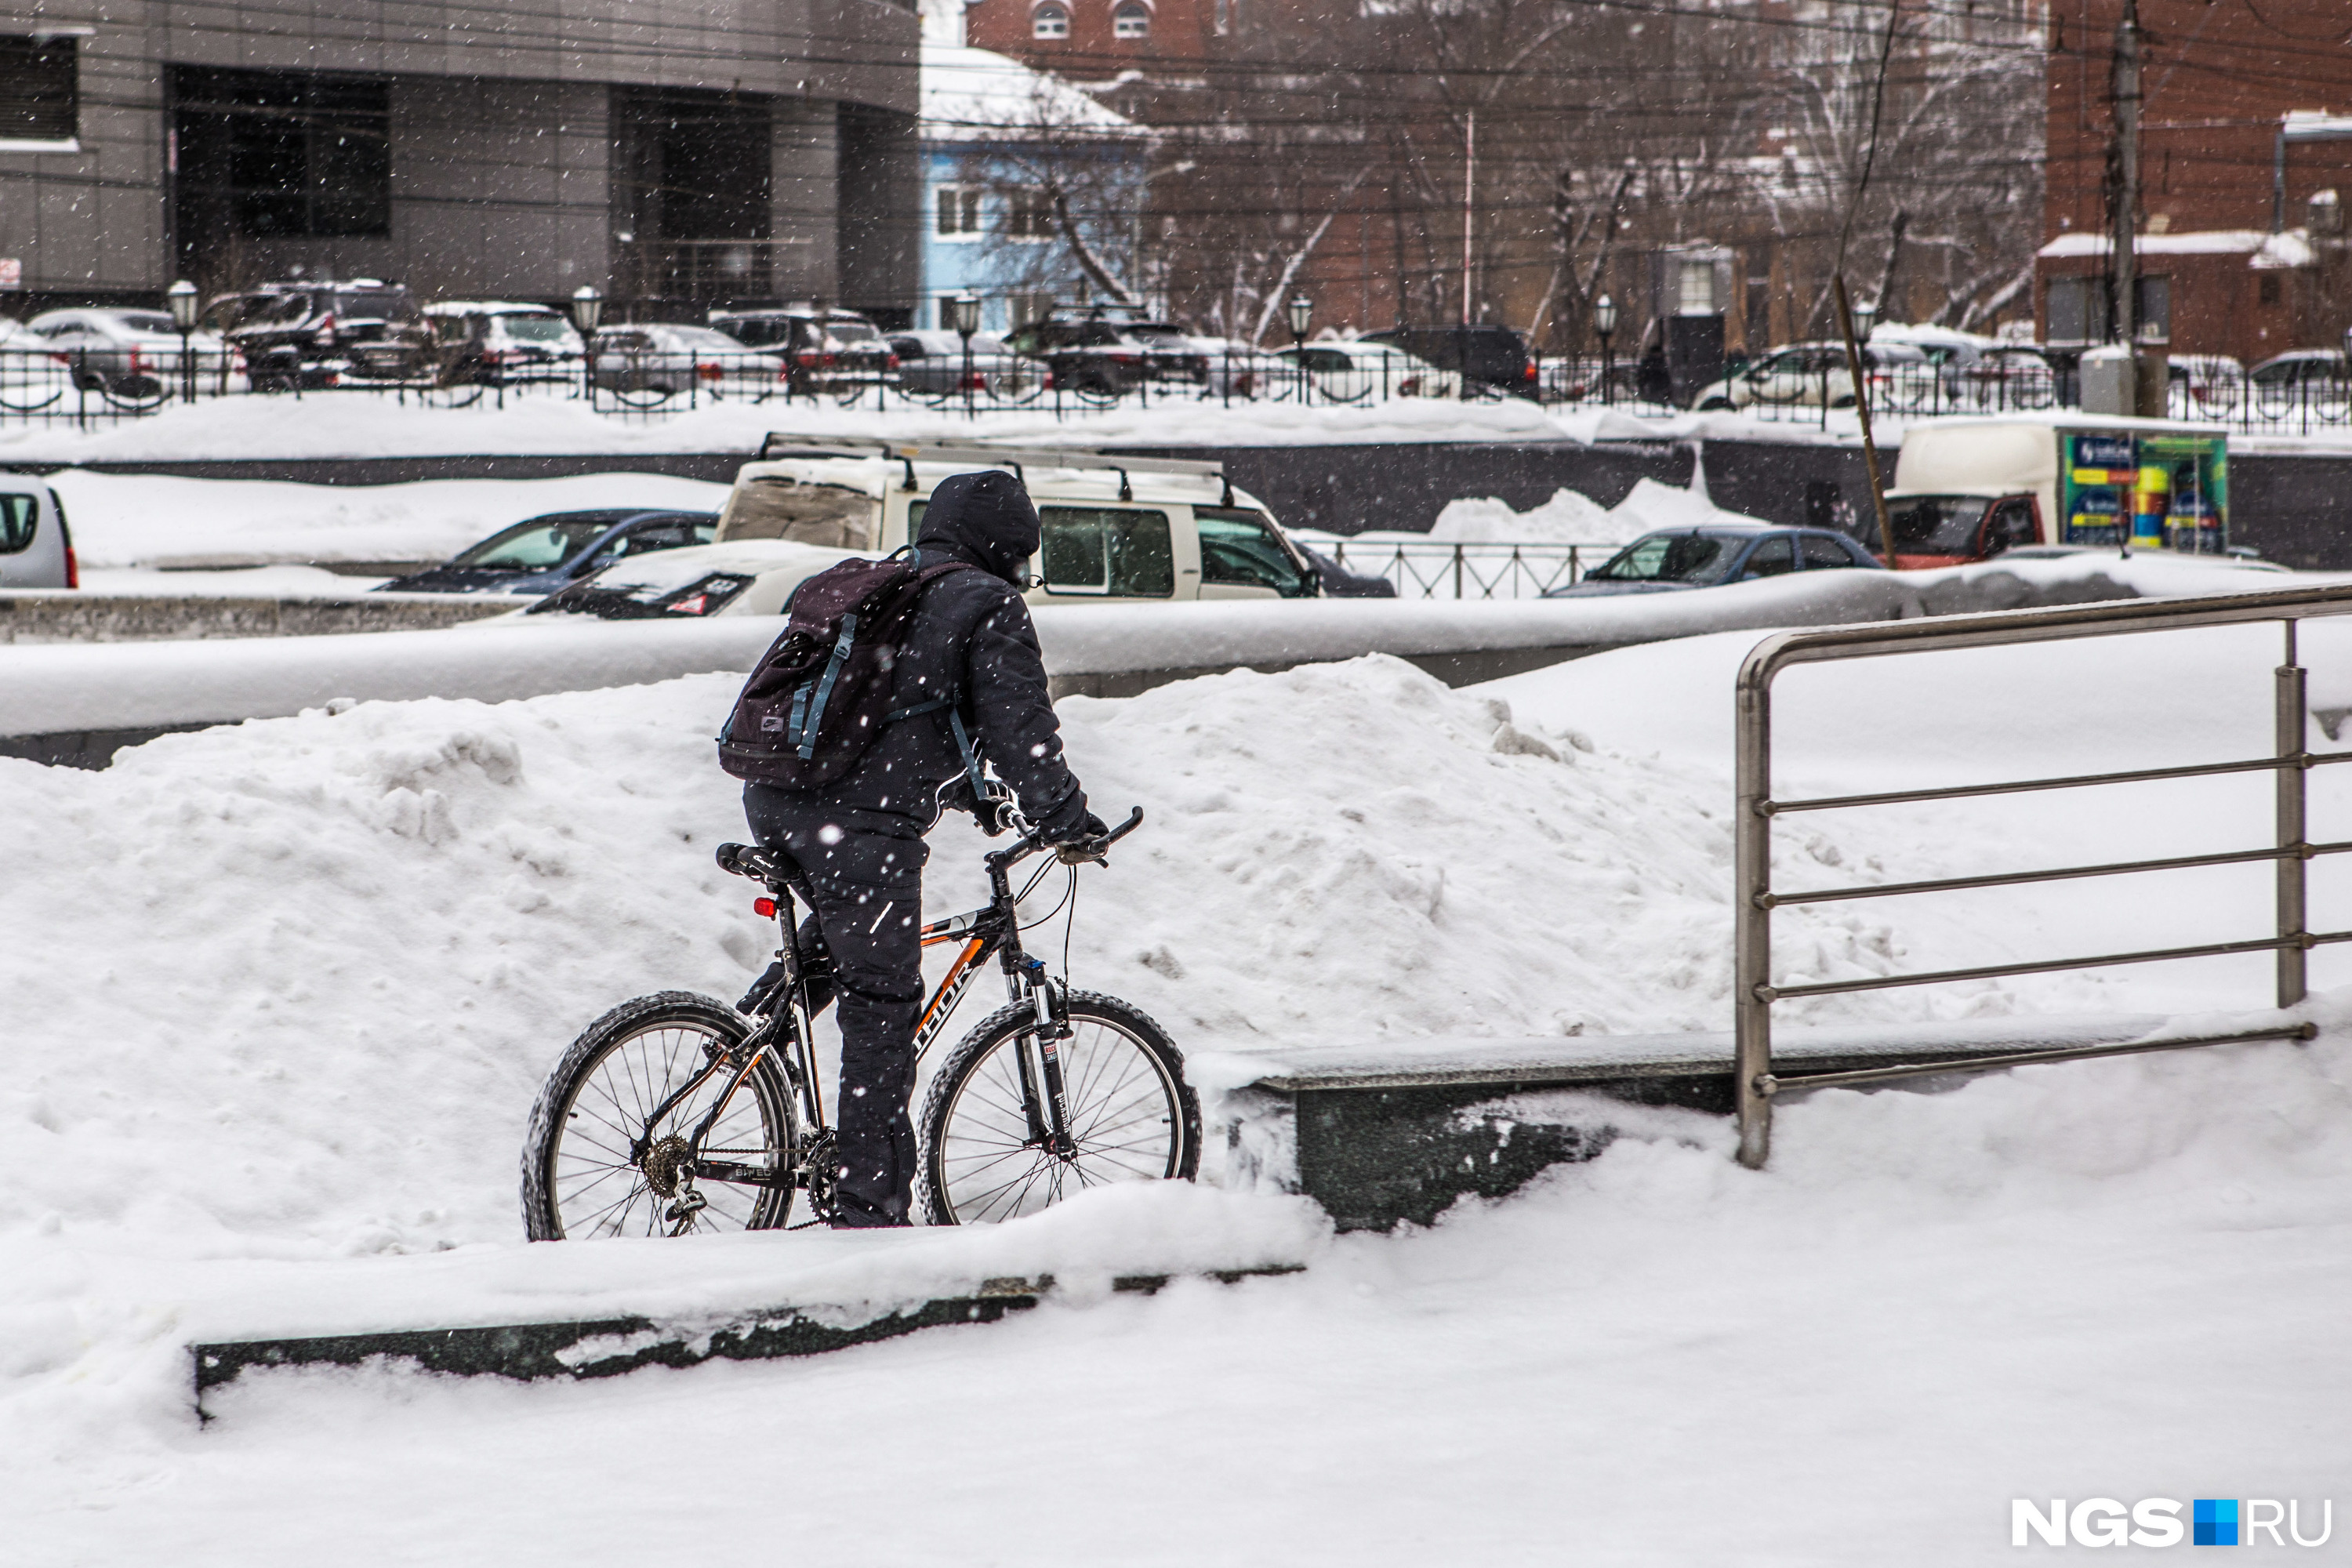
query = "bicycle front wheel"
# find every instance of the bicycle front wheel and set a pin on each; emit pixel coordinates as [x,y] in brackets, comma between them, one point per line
[1131,1116]
[600,1161]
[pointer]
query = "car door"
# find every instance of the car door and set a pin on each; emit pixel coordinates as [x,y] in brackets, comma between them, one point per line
[2013,523]
[1104,553]
[32,543]
[1770,557]
[1820,552]
[1242,558]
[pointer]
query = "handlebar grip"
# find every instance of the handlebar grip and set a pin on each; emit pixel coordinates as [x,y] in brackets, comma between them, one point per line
[1134,820]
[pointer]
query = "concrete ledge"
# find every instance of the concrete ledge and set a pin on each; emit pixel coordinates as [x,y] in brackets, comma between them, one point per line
[60,616]
[609,1347]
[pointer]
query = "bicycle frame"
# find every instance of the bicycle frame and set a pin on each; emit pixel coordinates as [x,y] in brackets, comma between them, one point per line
[780,1000]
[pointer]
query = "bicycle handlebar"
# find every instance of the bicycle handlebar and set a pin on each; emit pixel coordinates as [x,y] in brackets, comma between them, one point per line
[1077,850]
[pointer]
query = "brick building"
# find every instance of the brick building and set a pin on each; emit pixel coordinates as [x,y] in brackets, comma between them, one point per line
[2245,157]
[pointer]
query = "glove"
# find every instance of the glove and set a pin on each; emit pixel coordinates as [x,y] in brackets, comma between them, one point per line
[1089,828]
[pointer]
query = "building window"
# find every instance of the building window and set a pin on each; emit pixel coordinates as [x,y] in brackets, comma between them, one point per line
[1050,21]
[282,155]
[959,212]
[1029,214]
[2266,289]
[38,94]
[1131,21]
[1698,288]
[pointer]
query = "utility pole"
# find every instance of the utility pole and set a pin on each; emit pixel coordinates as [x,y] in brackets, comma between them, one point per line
[1469,188]
[2126,93]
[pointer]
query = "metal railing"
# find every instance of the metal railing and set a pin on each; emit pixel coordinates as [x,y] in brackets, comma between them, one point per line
[1753,992]
[1497,571]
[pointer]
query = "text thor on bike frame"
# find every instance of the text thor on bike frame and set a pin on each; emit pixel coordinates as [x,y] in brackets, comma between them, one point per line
[1005,1128]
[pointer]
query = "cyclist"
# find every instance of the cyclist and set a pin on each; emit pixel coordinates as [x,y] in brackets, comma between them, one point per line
[859,841]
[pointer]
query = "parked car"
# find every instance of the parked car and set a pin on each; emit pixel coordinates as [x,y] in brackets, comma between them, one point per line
[832,351]
[35,546]
[1807,375]
[1339,580]
[542,554]
[1676,559]
[1237,369]
[1485,355]
[1117,531]
[2004,377]
[1967,489]
[2204,386]
[491,342]
[932,364]
[1365,371]
[665,359]
[1109,349]
[132,354]
[2299,376]
[300,333]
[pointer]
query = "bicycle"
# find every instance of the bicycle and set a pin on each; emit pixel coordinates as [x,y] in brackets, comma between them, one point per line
[674,1113]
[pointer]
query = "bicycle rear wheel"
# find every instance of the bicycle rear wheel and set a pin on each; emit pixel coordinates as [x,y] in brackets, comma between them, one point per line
[1131,1116]
[597,1163]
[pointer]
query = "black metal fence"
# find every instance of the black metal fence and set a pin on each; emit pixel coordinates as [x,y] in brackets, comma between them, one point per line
[86,388]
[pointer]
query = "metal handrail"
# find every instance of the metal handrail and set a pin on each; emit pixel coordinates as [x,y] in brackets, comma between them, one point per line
[1753,992]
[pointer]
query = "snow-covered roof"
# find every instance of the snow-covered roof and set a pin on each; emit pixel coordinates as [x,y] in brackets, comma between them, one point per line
[2265,250]
[2314,125]
[977,95]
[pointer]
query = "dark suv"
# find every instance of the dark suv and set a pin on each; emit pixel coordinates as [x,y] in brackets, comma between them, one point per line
[1487,355]
[1111,348]
[306,334]
[836,350]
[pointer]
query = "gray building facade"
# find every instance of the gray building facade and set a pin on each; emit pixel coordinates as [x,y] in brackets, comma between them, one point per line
[669,152]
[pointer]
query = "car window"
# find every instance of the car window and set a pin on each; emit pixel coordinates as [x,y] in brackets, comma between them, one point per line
[1665,558]
[146,321]
[536,329]
[1937,525]
[1770,558]
[757,332]
[19,515]
[1822,554]
[908,348]
[1240,547]
[2013,526]
[1324,361]
[530,546]
[851,331]
[667,536]
[704,339]
[626,342]
[1107,550]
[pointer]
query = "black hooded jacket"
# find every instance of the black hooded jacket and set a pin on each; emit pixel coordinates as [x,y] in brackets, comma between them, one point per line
[971,636]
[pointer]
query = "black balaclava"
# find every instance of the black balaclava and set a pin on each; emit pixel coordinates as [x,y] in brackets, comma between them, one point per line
[987,518]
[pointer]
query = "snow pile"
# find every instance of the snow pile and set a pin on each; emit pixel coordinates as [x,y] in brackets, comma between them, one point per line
[1572,518]
[156,520]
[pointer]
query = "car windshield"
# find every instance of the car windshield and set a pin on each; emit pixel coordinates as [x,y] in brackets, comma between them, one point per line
[850,330]
[1669,558]
[1937,525]
[1157,334]
[540,542]
[536,329]
[377,304]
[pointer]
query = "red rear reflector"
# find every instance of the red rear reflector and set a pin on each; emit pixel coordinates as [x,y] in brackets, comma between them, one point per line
[764,907]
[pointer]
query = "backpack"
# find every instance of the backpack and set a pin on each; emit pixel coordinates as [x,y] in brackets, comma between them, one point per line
[821,694]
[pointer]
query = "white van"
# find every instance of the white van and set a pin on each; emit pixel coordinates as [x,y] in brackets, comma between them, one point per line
[36,547]
[1117,531]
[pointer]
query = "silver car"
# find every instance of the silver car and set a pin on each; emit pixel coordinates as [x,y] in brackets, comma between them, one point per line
[36,550]
[132,354]
[663,359]
[931,363]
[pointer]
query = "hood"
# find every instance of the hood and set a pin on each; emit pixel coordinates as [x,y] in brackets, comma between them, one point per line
[987,519]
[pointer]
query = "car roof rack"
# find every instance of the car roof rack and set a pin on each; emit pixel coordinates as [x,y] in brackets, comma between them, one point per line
[782,444]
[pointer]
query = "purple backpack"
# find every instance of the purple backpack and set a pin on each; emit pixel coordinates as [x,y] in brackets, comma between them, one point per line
[821,694]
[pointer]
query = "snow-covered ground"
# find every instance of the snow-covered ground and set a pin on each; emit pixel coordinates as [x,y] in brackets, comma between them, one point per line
[279,997]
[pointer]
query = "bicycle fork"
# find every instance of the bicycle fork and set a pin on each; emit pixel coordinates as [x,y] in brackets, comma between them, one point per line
[1038,1056]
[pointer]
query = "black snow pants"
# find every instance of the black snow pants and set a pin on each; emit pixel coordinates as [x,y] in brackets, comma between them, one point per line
[867,889]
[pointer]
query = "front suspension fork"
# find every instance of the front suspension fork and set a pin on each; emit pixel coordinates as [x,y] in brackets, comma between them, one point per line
[1049,1111]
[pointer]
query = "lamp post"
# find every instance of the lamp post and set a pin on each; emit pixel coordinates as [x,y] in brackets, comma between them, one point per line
[181,299]
[965,317]
[587,310]
[1865,316]
[1604,326]
[1301,311]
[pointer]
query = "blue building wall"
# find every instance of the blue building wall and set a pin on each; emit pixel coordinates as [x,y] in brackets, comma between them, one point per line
[981,263]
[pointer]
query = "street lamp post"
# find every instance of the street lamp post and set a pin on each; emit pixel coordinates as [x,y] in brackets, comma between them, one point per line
[965,317]
[1301,311]
[1604,326]
[181,298]
[587,311]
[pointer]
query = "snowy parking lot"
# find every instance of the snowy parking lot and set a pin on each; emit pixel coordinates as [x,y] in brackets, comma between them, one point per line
[296,982]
